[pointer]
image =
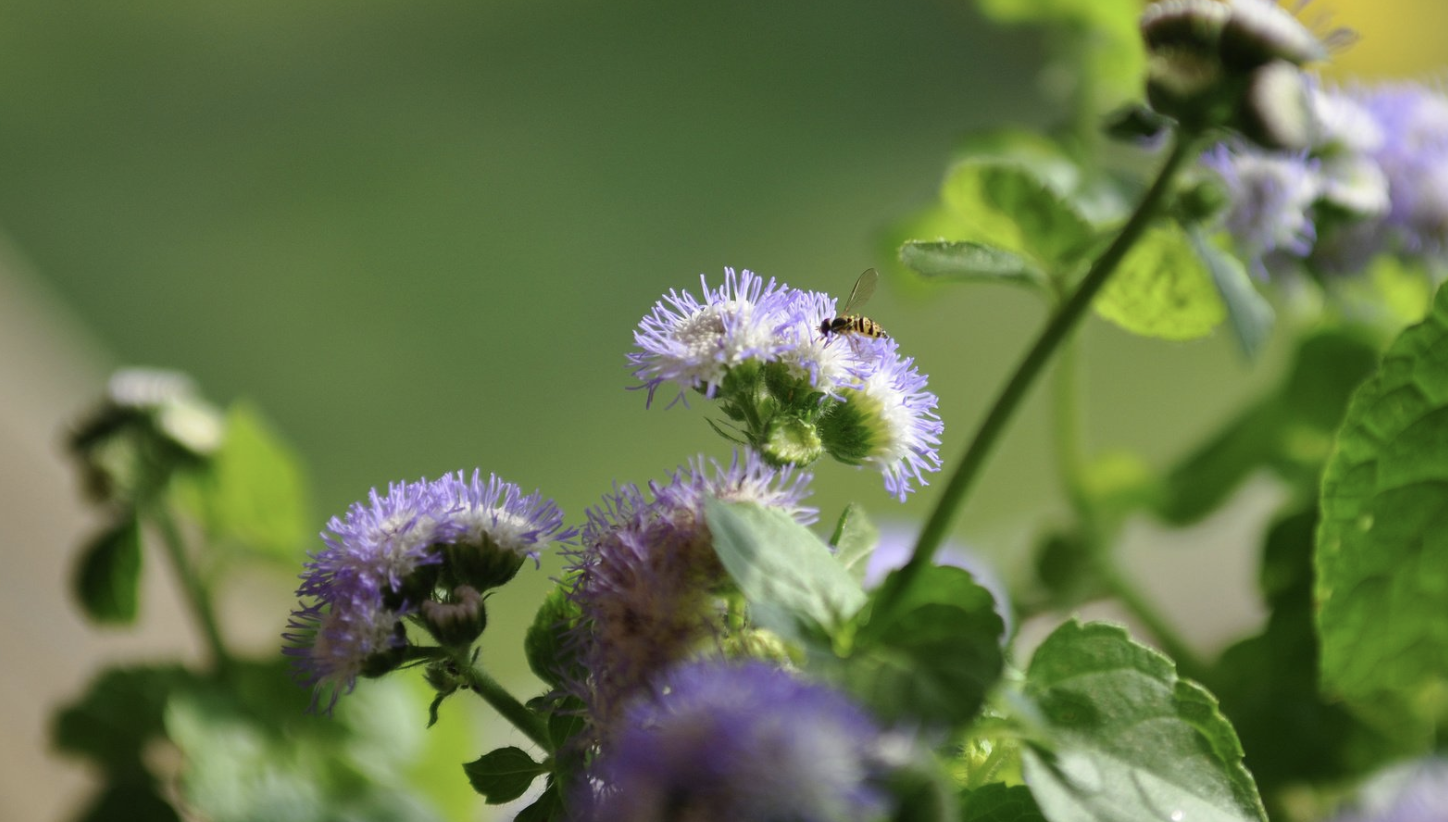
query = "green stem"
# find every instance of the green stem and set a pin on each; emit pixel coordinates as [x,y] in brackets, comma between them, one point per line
[952,498]
[508,705]
[198,596]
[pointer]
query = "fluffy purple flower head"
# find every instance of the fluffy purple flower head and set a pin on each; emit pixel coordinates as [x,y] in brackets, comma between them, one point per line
[828,362]
[377,545]
[1414,157]
[497,512]
[1271,196]
[1416,792]
[695,342]
[332,643]
[715,741]
[645,572]
[890,424]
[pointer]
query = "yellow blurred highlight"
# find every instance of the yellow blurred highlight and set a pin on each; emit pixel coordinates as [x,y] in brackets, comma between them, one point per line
[1397,39]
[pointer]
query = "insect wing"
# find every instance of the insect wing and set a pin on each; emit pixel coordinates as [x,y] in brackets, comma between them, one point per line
[861,293]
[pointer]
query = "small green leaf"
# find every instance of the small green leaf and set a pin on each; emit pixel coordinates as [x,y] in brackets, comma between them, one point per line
[1124,739]
[503,775]
[967,262]
[546,644]
[547,808]
[1248,312]
[253,492]
[998,802]
[1162,289]
[1005,205]
[1382,545]
[789,577]
[108,574]
[854,540]
[935,651]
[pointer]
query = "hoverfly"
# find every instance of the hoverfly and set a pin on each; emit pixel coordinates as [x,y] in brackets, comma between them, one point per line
[848,323]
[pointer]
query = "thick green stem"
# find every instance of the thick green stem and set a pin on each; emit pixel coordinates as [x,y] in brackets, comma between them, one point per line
[952,498]
[197,595]
[508,705]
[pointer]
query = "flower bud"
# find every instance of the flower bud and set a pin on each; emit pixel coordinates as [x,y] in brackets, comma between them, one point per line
[1276,111]
[482,564]
[791,441]
[458,622]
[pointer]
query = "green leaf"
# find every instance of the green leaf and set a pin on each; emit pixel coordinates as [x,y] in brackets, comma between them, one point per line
[1124,739]
[933,653]
[547,808]
[789,577]
[503,775]
[253,493]
[1382,545]
[119,715]
[1248,312]
[135,801]
[1000,803]
[108,574]
[1268,683]
[546,645]
[1005,205]
[971,262]
[1162,289]
[1106,42]
[854,540]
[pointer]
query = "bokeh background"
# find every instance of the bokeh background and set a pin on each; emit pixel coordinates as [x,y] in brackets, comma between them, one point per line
[419,236]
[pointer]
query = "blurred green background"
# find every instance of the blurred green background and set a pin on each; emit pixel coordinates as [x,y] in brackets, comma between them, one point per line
[419,235]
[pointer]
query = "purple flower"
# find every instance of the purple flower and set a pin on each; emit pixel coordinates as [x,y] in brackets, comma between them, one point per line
[1415,792]
[695,342]
[1414,156]
[499,514]
[1270,198]
[827,362]
[360,587]
[888,422]
[714,741]
[645,573]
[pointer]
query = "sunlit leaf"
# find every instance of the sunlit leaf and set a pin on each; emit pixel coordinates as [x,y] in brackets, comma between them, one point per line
[1382,545]
[1162,289]
[1125,739]
[967,262]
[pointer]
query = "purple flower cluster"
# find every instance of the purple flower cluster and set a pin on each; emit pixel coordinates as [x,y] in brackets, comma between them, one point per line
[359,588]
[1414,792]
[697,342]
[715,741]
[645,572]
[1375,181]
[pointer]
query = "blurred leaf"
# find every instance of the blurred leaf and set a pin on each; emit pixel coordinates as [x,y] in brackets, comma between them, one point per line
[1000,803]
[1162,289]
[1382,545]
[503,775]
[1268,683]
[854,540]
[547,808]
[108,574]
[546,645]
[781,567]
[970,262]
[120,713]
[253,493]
[1291,431]
[1248,312]
[1126,739]
[933,653]
[1109,55]
[1007,206]
[129,802]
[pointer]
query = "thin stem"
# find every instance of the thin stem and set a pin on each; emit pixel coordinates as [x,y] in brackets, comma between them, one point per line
[952,498]
[1067,418]
[507,705]
[198,596]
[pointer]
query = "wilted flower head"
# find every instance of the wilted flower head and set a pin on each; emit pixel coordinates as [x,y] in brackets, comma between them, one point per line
[714,741]
[646,570]
[333,643]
